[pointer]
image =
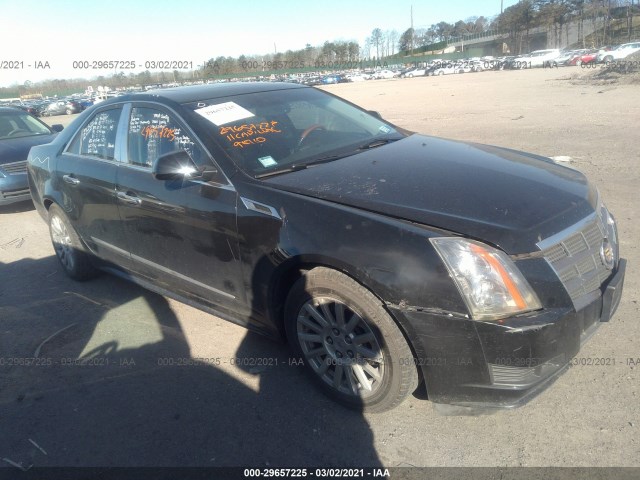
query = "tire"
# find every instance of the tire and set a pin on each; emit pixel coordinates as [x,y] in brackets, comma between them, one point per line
[349,343]
[607,59]
[68,111]
[69,249]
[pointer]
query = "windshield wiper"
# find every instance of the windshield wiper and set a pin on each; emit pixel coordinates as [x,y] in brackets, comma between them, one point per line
[291,168]
[377,143]
[301,166]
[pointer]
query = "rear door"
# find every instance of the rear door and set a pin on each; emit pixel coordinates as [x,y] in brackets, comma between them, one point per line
[86,176]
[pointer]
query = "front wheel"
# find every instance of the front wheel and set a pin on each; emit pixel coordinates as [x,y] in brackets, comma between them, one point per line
[68,247]
[353,348]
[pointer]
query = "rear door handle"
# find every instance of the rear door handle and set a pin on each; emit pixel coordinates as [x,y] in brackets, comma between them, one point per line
[70,179]
[130,199]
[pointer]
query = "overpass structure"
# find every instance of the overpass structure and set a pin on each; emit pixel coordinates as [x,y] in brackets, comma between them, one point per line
[540,37]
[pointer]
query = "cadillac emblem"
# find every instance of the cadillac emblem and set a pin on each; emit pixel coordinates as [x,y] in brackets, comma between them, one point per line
[606,254]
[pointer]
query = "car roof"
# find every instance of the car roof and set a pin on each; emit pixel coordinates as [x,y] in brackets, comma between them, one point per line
[9,109]
[203,92]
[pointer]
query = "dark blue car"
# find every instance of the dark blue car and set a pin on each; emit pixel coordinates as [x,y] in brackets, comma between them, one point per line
[19,131]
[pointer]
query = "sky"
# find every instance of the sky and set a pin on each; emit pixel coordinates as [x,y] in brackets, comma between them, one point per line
[63,31]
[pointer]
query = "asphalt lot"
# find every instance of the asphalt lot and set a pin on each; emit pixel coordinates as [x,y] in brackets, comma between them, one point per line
[233,410]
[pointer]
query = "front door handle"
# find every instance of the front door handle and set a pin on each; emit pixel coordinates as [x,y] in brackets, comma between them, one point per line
[130,199]
[70,179]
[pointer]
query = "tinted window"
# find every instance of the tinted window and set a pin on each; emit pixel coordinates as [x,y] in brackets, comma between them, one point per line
[272,130]
[18,124]
[98,137]
[153,133]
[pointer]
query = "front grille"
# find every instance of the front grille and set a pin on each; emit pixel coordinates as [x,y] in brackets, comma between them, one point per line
[574,255]
[14,168]
[14,193]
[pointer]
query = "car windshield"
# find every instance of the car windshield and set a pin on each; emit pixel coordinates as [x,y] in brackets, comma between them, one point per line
[279,131]
[20,124]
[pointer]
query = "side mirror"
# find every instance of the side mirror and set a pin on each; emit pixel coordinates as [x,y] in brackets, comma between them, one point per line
[375,114]
[178,164]
[57,127]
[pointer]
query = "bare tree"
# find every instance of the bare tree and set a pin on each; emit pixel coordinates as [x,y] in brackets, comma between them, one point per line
[376,40]
[392,40]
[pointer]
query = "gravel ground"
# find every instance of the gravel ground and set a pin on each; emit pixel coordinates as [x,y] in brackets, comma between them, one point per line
[123,414]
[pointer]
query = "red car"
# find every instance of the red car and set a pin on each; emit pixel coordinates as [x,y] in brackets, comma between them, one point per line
[586,58]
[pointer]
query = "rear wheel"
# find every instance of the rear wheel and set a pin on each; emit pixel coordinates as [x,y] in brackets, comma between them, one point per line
[352,347]
[68,247]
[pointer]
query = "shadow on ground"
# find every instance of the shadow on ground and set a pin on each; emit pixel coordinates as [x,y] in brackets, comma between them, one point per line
[137,399]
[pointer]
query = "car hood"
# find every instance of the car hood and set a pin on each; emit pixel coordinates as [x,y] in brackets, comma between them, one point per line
[17,149]
[508,198]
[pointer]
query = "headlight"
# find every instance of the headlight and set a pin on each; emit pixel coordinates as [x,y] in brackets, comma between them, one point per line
[611,229]
[490,283]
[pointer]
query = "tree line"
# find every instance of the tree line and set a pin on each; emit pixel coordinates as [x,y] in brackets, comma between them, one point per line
[517,21]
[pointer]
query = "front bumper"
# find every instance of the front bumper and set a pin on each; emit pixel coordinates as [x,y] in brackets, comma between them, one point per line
[503,364]
[13,189]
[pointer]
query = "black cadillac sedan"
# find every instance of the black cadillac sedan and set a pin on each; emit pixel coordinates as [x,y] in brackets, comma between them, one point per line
[386,258]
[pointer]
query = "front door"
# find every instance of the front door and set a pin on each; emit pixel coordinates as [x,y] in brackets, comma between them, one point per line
[182,234]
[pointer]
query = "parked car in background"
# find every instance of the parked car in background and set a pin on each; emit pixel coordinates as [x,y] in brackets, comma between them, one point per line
[56,107]
[510,62]
[603,50]
[384,74]
[85,102]
[478,65]
[311,81]
[330,79]
[19,131]
[22,106]
[466,66]
[568,56]
[414,72]
[586,58]
[541,58]
[429,71]
[619,53]
[448,68]
[74,106]
[61,107]
[356,77]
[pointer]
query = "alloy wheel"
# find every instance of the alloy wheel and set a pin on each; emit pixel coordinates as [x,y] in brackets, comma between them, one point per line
[62,242]
[340,347]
